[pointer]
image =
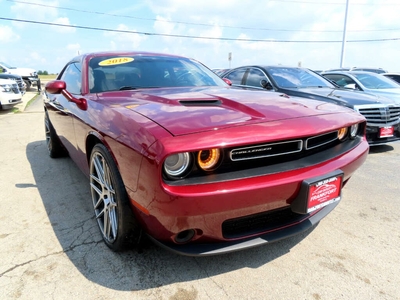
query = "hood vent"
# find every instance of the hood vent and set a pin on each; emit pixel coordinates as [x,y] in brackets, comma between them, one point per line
[200,102]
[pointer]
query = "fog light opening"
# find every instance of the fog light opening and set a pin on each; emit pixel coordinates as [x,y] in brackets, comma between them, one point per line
[185,236]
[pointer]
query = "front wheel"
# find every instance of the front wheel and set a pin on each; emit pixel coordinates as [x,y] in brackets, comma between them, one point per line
[28,84]
[111,203]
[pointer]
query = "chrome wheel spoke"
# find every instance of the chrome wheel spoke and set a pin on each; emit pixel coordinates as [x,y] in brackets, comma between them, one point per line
[103,197]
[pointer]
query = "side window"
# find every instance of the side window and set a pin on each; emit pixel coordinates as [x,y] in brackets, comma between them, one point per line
[72,76]
[254,78]
[341,80]
[236,76]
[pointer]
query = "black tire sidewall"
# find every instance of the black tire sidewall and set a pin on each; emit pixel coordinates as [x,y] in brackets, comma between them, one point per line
[127,226]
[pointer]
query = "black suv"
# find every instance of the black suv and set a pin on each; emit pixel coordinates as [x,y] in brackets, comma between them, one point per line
[382,114]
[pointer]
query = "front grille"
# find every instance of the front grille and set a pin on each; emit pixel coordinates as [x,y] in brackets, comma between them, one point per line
[380,114]
[261,222]
[20,83]
[282,148]
[14,88]
[266,150]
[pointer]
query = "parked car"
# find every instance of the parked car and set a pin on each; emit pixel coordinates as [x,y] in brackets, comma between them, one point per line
[371,83]
[366,69]
[219,71]
[382,114]
[18,79]
[201,168]
[9,94]
[393,76]
[29,75]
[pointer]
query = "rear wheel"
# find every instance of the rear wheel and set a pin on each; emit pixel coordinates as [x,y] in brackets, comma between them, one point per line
[54,146]
[111,203]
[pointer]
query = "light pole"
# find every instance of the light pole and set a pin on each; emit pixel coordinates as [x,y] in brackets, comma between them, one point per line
[344,34]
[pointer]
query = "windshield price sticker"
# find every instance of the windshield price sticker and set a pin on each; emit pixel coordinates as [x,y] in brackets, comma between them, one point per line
[324,192]
[386,131]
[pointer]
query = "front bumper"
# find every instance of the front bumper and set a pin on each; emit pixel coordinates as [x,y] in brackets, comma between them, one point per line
[372,135]
[208,249]
[206,208]
[9,104]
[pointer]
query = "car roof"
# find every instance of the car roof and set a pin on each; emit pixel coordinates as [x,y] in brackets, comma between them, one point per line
[90,55]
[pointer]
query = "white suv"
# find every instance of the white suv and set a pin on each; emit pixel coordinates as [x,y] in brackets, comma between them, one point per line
[10,94]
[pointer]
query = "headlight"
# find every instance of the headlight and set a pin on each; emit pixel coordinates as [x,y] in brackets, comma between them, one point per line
[176,165]
[342,133]
[5,88]
[353,131]
[208,159]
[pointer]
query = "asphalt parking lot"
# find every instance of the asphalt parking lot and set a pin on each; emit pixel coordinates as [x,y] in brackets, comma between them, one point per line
[51,247]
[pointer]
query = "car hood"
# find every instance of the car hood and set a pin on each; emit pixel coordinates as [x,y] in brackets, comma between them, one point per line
[392,94]
[9,76]
[6,81]
[340,96]
[189,110]
[22,71]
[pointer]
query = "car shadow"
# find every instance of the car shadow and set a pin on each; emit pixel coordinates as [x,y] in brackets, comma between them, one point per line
[380,149]
[65,193]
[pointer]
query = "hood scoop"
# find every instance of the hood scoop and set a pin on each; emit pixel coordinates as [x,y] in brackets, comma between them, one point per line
[201,102]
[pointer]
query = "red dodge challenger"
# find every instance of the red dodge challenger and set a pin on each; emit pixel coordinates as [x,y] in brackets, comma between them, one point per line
[201,168]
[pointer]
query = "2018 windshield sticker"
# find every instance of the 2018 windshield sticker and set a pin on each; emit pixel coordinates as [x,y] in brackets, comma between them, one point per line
[115,61]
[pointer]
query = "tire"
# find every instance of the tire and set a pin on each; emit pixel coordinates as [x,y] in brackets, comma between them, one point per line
[28,84]
[54,146]
[114,216]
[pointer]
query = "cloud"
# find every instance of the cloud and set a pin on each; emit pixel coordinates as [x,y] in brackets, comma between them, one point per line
[122,41]
[74,47]
[163,26]
[64,21]
[7,35]
[42,11]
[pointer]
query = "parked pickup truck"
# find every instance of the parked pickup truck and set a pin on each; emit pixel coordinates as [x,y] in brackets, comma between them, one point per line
[29,76]
[9,94]
[18,79]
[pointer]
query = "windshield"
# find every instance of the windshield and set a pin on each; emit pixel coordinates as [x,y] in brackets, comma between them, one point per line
[297,78]
[7,66]
[134,72]
[373,81]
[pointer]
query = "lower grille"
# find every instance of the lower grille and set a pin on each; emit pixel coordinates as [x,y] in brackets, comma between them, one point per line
[258,223]
[380,114]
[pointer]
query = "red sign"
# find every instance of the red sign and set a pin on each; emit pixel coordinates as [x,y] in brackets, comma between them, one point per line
[386,131]
[324,192]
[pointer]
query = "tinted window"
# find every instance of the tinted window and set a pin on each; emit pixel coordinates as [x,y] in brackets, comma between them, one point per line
[236,76]
[118,73]
[72,76]
[254,78]
[372,81]
[340,80]
[297,78]
[394,77]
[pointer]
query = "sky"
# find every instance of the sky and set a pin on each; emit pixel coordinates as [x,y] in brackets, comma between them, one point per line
[218,33]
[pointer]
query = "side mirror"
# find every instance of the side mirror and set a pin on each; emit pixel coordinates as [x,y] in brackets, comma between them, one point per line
[351,86]
[55,86]
[266,84]
[227,81]
[59,87]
